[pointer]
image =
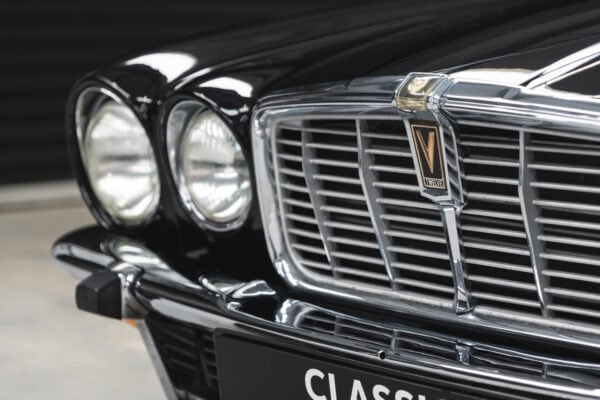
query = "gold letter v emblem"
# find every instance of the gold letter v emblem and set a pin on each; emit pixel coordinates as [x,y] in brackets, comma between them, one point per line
[429,150]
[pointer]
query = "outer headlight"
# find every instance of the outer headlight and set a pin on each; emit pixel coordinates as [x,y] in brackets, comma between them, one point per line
[209,167]
[118,157]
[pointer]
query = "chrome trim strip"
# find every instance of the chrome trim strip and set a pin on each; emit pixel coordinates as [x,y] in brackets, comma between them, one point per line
[532,229]
[526,109]
[581,60]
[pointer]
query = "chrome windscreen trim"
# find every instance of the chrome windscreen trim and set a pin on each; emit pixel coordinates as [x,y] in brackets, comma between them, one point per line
[578,61]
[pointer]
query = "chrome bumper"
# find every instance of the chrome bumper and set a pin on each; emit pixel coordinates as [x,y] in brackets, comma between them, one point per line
[489,366]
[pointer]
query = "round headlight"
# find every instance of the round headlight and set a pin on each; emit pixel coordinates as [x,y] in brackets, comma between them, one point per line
[209,166]
[118,157]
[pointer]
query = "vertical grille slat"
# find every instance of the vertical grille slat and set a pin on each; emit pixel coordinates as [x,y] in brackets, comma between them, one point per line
[372,193]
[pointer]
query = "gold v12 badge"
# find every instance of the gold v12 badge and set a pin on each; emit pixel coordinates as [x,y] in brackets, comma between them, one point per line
[428,146]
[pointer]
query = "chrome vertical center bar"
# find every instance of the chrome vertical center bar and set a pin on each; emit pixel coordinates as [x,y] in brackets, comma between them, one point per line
[462,296]
[434,146]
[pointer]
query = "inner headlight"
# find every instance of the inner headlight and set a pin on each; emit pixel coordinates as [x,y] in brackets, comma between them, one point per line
[117,156]
[209,166]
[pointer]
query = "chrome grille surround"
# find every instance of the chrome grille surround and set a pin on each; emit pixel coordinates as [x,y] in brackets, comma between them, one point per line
[514,221]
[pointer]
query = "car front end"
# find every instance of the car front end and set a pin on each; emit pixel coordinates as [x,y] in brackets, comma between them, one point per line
[383,202]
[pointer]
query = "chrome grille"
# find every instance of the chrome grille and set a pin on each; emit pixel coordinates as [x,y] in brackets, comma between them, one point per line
[344,214]
[359,220]
[353,214]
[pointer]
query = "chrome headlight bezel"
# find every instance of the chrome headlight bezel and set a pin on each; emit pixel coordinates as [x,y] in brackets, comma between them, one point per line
[175,124]
[87,103]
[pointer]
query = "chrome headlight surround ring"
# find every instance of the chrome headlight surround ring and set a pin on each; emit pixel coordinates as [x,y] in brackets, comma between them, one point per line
[85,102]
[175,123]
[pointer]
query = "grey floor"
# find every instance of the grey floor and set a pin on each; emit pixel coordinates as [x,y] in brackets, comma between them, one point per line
[48,349]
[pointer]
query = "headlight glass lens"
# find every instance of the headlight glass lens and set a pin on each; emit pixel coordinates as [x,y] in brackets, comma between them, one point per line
[214,169]
[119,161]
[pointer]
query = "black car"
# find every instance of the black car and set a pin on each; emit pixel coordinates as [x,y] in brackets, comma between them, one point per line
[388,202]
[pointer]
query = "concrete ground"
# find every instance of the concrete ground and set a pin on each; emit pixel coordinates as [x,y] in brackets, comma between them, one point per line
[48,349]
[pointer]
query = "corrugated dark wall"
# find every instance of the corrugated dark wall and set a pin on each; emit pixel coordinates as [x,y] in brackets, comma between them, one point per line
[45,45]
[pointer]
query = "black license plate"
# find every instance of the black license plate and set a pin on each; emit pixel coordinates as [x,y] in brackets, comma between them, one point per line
[249,371]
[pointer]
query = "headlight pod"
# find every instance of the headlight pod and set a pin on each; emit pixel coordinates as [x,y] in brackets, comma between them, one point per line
[117,156]
[208,166]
